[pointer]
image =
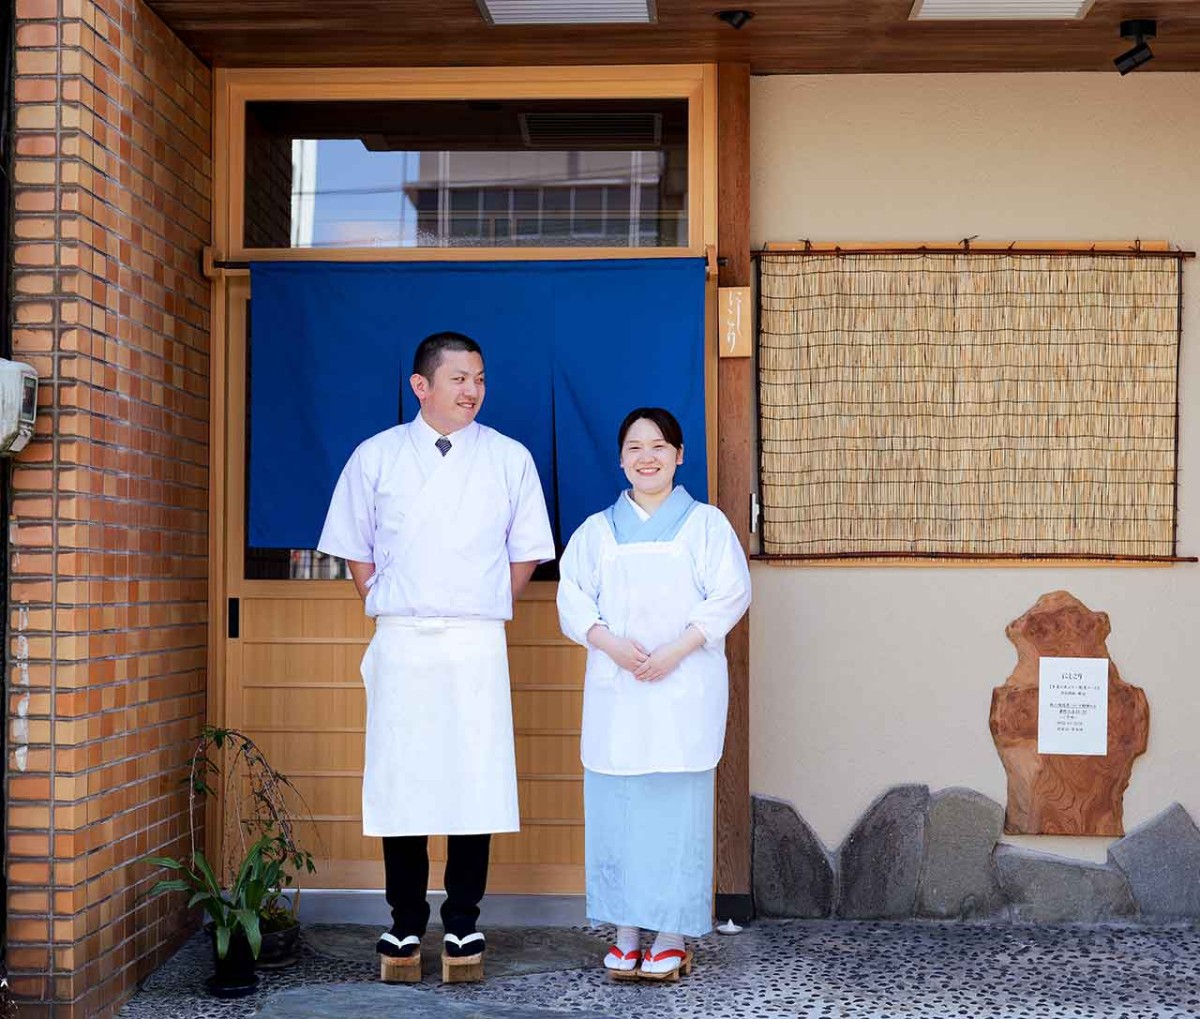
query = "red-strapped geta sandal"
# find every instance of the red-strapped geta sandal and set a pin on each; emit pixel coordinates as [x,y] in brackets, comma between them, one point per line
[665,965]
[622,965]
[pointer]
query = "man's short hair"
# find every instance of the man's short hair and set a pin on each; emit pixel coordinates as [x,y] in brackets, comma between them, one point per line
[430,350]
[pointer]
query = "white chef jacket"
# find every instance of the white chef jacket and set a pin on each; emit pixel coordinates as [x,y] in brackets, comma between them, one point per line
[441,530]
[652,591]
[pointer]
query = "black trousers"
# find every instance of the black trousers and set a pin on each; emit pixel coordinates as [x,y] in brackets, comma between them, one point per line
[406,869]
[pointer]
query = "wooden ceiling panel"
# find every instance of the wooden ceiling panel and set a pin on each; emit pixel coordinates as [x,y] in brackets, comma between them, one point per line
[785,36]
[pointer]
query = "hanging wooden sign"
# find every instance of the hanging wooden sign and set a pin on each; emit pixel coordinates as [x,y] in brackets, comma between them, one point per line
[734,322]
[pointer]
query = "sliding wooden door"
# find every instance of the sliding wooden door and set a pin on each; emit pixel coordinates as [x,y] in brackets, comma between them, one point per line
[292,649]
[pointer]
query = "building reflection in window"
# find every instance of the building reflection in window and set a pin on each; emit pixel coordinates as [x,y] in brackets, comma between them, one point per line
[466,173]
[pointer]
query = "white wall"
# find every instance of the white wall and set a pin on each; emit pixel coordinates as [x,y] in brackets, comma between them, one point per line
[863,678]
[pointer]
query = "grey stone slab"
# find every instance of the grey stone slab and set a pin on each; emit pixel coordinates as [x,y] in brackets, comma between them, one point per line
[1042,888]
[511,951]
[958,881]
[384,1001]
[793,872]
[1161,859]
[880,861]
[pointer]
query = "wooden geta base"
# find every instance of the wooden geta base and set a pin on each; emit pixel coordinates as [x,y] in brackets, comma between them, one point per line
[467,969]
[622,974]
[685,967]
[406,970]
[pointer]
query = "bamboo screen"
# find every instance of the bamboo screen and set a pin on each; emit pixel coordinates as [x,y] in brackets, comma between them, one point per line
[977,404]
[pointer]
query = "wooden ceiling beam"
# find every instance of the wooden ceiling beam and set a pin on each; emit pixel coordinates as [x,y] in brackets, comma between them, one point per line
[785,37]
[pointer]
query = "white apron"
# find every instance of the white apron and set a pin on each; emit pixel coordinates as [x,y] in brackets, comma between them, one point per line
[439,751]
[647,591]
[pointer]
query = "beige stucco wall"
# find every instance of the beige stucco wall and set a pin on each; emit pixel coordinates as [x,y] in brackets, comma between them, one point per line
[864,678]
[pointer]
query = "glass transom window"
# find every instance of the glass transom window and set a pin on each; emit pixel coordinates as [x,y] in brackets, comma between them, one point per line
[467,173]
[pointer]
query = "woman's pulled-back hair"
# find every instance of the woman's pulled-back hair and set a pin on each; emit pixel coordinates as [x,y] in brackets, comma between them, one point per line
[664,419]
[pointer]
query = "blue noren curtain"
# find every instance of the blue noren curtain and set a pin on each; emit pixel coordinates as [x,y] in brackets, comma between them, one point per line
[570,348]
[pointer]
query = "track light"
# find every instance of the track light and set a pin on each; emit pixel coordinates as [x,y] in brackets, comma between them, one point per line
[1139,30]
[735,19]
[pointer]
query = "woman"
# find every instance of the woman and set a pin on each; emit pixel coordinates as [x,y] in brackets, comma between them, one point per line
[650,587]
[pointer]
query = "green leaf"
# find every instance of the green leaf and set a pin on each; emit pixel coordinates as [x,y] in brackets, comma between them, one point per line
[174,885]
[210,879]
[223,941]
[164,861]
[238,891]
[249,921]
[217,909]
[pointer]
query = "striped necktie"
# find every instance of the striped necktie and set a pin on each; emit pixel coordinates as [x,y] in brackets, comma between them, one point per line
[443,445]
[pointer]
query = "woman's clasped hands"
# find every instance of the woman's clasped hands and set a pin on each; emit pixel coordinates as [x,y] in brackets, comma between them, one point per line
[643,665]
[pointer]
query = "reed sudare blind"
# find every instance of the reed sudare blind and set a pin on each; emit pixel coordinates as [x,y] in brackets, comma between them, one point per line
[968,404]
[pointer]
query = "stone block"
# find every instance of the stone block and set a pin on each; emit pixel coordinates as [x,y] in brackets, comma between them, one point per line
[880,861]
[1042,888]
[793,873]
[958,881]
[1161,859]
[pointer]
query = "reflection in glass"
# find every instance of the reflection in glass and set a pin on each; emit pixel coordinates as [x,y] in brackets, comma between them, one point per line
[478,174]
[293,564]
[309,564]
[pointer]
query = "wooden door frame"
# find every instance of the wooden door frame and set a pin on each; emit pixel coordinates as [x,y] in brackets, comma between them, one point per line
[233,88]
[735,483]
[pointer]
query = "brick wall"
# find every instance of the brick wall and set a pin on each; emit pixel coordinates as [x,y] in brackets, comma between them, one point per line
[107,596]
[268,198]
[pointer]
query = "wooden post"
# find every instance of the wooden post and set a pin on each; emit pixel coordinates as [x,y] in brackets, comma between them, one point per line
[735,476]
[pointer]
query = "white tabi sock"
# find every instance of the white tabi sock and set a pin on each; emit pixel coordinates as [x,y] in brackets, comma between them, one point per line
[664,942]
[627,939]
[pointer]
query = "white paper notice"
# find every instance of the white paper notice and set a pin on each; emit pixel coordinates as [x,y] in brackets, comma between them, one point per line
[1073,706]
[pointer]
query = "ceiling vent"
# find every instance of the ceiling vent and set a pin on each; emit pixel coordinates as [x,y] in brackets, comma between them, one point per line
[582,131]
[999,10]
[567,12]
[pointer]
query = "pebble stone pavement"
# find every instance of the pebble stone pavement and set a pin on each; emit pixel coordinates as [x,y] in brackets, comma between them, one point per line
[811,969]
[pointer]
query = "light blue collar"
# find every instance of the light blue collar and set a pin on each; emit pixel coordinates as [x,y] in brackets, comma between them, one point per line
[628,527]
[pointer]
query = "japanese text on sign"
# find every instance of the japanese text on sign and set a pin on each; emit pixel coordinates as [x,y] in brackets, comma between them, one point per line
[1073,706]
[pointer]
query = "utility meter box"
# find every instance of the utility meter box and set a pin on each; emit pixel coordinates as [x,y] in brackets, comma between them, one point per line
[18,405]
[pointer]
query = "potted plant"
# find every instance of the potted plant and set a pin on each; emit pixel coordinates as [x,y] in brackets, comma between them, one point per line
[233,914]
[249,913]
[280,933]
[277,912]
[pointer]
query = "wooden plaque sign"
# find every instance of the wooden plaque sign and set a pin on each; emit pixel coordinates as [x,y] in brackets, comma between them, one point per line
[1073,789]
[735,321]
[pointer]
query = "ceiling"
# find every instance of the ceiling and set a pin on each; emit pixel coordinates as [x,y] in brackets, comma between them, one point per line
[784,37]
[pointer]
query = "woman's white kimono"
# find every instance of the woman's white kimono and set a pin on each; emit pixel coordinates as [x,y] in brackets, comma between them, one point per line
[649,833]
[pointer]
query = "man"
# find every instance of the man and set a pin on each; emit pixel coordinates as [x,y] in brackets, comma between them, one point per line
[442,521]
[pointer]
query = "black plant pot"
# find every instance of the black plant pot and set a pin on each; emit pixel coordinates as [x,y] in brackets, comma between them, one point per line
[279,947]
[233,976]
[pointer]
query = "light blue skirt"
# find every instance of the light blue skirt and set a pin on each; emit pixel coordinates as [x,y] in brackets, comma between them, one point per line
[648,845]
